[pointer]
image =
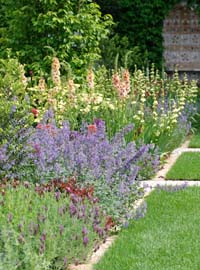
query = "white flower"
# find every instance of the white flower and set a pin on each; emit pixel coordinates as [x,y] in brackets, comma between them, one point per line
[111,106]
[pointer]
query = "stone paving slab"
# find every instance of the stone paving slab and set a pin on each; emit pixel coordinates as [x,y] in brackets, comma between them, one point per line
[182,150]
[149,185]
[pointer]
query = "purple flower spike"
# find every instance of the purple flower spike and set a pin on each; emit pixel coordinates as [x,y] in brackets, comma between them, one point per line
[10,217]
[61,229]
[74,198]
[43,237]
[42,248]
[126,224]
[100,232]
[36,229]
[57,195]
[72,209]
[65,261]
[60,211]
[21,239]
[96,212]
[84,231]
[85,241]
[20,227]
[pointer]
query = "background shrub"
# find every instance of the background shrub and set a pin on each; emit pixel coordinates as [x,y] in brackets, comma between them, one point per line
[37,30]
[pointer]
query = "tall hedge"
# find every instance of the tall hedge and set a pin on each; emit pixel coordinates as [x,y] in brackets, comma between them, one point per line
[142,22]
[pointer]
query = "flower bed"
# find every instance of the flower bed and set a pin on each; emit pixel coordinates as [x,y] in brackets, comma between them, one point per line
[115,130]
[49,226]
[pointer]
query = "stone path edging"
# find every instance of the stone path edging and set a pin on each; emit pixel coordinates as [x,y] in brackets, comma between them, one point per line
[149,186]
[171,160]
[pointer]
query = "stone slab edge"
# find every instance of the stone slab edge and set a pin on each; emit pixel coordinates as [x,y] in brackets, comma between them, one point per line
[170,161]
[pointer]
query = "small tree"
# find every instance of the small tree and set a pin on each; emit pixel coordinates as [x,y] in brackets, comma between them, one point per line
[35,30]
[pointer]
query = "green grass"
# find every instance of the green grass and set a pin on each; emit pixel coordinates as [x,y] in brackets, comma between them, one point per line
[195,141]
[166,239]
[187,167]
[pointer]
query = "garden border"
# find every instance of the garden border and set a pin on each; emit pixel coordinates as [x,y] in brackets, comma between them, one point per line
[149,186]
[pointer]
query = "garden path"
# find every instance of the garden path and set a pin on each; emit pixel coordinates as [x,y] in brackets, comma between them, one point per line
[148,185]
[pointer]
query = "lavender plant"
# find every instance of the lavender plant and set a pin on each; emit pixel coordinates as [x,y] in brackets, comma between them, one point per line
[113,167]
[58,152]
[49,230]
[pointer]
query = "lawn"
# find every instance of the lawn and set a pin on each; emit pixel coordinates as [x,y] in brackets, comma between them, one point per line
[187,167]
[195,141]
[166,239]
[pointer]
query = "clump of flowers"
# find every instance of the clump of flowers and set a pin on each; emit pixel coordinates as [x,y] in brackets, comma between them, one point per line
[42,84]
[54,224]
[112,167]
[55,71]
[122,85]
[90,79]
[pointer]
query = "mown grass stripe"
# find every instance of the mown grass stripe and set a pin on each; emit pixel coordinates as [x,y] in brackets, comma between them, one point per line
[166,239]
[187,167]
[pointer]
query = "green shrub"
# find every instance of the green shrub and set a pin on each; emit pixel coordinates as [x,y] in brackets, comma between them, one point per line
[12,79]
[36,31]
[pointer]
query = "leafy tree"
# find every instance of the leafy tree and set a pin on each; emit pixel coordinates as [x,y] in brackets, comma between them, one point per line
[36,30]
